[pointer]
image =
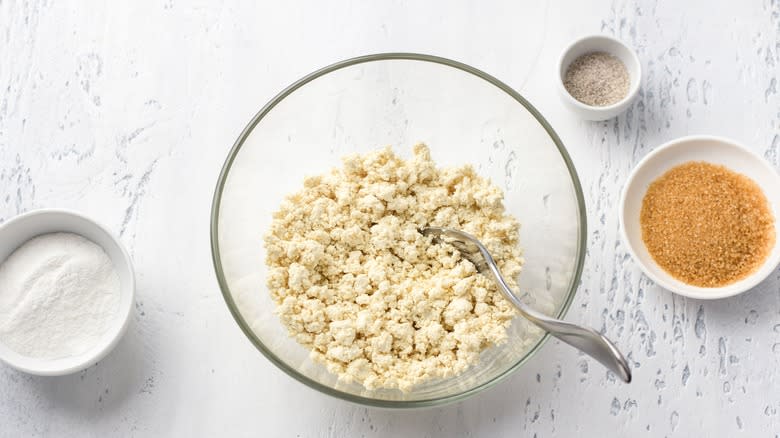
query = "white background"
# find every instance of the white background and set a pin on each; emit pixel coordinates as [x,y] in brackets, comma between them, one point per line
[126,110]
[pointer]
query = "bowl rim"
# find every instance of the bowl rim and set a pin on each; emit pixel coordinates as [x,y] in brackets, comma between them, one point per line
[85,360]
[390,56]
[690,291]
[632,91]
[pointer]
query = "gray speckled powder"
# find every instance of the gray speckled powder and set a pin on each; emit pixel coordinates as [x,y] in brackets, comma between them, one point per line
[597,79]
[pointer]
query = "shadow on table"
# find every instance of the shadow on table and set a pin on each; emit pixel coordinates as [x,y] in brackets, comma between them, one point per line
[745,308]
[103,387]
[495,405]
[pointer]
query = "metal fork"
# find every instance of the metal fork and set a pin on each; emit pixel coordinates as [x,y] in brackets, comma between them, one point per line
[584,339]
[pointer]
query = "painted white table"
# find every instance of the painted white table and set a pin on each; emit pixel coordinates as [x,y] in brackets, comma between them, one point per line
[126,110]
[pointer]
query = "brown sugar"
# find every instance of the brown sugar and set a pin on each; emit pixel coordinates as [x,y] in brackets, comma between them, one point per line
[706,225]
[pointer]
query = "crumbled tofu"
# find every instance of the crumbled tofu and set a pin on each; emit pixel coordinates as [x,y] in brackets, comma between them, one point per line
[376,301]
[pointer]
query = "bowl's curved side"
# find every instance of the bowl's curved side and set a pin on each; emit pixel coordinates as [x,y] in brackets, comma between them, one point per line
[20,229]
[718,150]
[217,198]
[600,43]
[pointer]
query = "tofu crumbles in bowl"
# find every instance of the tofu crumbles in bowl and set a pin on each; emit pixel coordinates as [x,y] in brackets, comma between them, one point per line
[373,299]
[315,229]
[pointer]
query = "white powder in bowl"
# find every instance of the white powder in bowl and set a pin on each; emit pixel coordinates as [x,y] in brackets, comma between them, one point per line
[59,294]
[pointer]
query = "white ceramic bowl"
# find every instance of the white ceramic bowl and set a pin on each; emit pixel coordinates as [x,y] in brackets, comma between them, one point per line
[710,149]
[19,230]
[600,43]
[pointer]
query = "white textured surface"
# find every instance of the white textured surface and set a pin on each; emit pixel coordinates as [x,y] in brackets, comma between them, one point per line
[126,110]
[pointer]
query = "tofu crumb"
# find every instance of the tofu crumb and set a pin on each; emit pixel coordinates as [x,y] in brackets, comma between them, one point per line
[373,299]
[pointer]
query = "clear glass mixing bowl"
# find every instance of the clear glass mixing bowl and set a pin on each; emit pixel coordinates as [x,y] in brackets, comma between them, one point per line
[399,99]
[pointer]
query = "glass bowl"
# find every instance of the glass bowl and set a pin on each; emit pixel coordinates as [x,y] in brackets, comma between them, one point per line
[465,116]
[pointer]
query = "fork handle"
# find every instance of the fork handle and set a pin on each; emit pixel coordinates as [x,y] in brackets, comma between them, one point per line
[589,342]
[582,338]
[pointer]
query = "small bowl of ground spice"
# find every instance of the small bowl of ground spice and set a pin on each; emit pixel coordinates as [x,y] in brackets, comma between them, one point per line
[599,77]
[699,216]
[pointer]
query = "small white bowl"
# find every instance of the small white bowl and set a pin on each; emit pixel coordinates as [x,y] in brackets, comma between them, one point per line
[19,230]
[600,43]
[710,149]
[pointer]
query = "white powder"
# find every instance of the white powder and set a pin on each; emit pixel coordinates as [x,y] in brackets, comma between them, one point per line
[59,294]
